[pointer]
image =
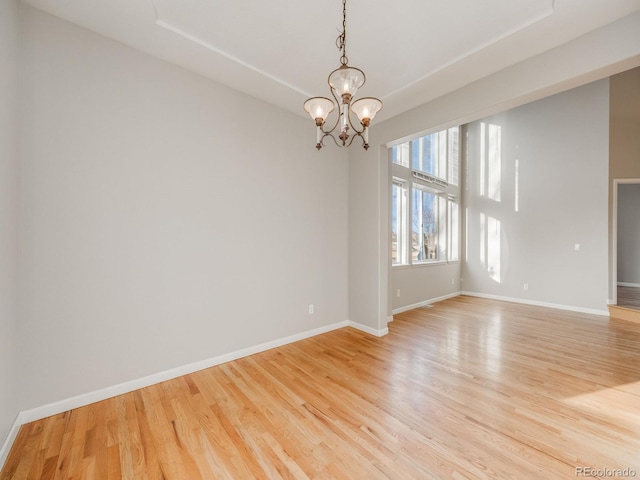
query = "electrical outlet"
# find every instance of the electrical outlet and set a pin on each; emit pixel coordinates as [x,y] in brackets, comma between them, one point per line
[576,247]
[311,309]
[398,293]
[526,286]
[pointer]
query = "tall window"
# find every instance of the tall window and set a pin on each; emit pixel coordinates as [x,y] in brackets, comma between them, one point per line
[398,224]
[424,216]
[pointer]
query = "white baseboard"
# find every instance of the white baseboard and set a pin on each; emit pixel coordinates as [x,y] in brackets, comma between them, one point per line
[390,319]
[55,408]
[423,303]
[591,311]
[13,433]
[365,328]
[627,284]
[126,387]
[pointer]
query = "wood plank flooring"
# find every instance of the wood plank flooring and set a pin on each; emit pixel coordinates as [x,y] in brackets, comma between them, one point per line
[468,389]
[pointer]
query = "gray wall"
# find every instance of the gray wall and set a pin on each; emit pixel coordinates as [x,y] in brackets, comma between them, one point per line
[9,405]
[368,237]
[165,219]
[629,234]
[545,191]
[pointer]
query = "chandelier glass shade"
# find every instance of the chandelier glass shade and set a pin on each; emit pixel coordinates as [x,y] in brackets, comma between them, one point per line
[344,83]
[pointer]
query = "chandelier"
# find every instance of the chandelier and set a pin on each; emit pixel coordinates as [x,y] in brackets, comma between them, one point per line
[344,82]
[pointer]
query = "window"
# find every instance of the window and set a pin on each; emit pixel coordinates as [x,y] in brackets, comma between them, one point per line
[398,223]
[424,214]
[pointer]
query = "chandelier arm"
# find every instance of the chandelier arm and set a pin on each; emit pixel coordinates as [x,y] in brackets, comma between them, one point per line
[332,138]
[357,134]
[328,132]
[353,137]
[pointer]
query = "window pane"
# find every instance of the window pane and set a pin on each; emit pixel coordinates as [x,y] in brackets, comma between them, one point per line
[400,154]
[424,241]
[429,154]
[416,155]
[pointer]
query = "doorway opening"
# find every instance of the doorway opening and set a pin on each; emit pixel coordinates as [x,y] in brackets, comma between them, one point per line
[626,242]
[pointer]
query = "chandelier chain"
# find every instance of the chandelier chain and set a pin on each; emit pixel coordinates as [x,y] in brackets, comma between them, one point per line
[341,41]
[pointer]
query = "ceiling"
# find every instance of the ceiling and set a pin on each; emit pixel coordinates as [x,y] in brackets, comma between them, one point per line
[282,51]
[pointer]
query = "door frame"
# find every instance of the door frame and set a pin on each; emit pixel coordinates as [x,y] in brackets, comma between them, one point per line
[616,182]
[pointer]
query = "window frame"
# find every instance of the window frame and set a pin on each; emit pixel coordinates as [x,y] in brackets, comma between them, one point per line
[453,249]
[401,214]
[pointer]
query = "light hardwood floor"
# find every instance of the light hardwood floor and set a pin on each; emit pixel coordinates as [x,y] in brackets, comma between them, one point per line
[468,389]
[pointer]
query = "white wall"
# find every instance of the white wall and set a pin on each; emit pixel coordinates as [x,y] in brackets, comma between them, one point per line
[165,219]
[9,405]
[545,191]
[629,234]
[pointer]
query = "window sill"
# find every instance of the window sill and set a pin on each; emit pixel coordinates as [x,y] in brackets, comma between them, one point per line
[429,264]
[400,266]
[424,264]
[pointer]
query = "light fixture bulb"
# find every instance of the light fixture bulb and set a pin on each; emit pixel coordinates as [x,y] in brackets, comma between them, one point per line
[346,80]
[319,108]
[366,108]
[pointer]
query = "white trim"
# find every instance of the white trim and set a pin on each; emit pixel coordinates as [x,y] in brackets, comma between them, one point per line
[367,329]
[591,311]
[108,392]
[423,303]
[627,284]
[11,437]
[198,41]
[614,233]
